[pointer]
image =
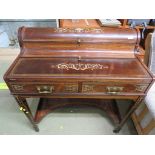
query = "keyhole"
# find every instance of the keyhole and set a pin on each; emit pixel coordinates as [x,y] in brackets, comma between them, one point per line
[79,59]
[78,42]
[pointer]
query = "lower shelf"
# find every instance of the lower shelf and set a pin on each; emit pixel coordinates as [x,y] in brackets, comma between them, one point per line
[47,105]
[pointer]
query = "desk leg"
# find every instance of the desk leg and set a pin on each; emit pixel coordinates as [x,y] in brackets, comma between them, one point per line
[127,116]
[25,108]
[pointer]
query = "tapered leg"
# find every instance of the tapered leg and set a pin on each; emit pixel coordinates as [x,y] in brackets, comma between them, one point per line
[127,116]
[25,108]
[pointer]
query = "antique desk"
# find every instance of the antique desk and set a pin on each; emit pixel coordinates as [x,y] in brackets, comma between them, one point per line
[78,63]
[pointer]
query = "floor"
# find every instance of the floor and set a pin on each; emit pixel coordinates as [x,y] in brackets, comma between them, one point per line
[77,121]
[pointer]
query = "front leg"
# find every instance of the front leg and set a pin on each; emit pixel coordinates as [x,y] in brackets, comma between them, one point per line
[127,116]
[25,108]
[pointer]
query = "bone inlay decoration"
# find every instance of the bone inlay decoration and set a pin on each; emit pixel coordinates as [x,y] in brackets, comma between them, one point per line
[81,66]
[96,30]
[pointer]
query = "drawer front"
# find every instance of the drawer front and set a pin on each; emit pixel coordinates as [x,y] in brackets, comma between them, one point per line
[87,87]
[47,88]
[113,88]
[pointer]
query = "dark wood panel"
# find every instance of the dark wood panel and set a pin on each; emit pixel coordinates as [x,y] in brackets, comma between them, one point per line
[72,34]
[122,68]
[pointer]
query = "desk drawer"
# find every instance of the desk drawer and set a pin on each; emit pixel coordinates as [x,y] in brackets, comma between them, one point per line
[113,88]
[46,88]
[87,87]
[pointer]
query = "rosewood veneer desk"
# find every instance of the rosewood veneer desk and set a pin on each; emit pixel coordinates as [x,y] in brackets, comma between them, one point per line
[81,63]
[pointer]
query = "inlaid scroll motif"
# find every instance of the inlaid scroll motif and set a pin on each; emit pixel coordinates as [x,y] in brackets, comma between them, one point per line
[87,88]
[81,66]
[97,30]
[71,88]
[141,88]
[18,87]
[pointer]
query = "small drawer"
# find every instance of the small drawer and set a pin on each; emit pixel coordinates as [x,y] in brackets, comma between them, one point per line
[112,88]
[46,88]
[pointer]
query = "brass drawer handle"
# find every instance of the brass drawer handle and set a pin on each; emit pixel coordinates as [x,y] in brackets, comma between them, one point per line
[114,90]
[45,89]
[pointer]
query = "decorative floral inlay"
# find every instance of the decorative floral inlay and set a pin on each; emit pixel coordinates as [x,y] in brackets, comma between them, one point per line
[81,66]
[97,30]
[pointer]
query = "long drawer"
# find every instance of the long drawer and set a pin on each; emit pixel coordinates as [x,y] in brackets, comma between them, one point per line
[78,87]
